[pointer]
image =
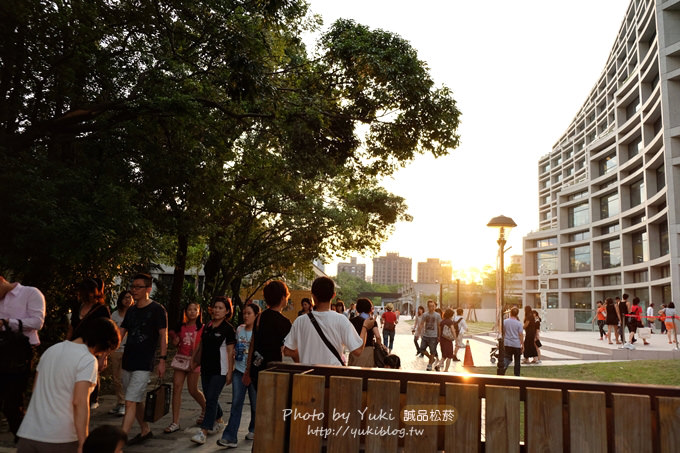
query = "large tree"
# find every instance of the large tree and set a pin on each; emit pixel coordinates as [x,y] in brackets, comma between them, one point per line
[203,120]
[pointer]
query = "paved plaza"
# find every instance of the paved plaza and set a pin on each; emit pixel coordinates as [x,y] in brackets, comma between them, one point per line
[560,348]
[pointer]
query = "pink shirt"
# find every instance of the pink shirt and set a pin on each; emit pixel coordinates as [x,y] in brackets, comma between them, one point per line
[187,339]
[25,303]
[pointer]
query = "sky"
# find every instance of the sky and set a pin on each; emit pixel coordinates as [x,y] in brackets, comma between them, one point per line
[519,72]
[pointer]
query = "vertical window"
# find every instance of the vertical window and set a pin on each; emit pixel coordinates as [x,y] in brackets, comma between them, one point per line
[609,205]
[660,178]
[640,247]
[634,147]
[579,259]
[607,164]
[611,254]
[637,193]
[549,259]
[663,239]
[578,215]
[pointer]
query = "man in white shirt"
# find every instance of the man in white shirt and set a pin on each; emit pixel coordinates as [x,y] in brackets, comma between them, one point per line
[650,316]
[23,304]
[462,328]
[304,341]
[58,415]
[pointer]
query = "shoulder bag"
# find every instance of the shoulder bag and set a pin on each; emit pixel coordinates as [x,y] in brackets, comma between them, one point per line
[325,340]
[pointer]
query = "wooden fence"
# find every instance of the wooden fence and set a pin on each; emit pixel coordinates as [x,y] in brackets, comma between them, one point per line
[303,408]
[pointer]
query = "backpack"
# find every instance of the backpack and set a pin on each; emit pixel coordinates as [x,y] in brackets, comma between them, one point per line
[446,330]
[15,350]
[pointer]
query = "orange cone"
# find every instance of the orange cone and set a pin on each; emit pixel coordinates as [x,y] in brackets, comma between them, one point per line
[468,355]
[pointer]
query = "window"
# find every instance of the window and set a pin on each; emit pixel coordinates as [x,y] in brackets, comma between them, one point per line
[553,301]
[632,108]
[545,199]
[611,254]
[580,282]
[579,215]
[665,271]
[660,178]
[579,300]
[607,164]
[546,242]
[638,219]
[634,147]
[640,247]
[637,193]
[611,280]
[580,236]
[609,205]
[663,239]
[640,276]
[577,195]
[545,167]
[611,228]
[579,259]
[549,259]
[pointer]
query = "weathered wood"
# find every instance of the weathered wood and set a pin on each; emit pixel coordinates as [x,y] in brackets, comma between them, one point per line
[632,424]
[464,435]
[382,394]
[669,424]
[543,412]
[307,402]
[422,394]
[269,422]
[502,419]
[587,422]
[344,414]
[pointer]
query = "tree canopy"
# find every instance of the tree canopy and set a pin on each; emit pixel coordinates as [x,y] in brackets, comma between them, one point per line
[207,122]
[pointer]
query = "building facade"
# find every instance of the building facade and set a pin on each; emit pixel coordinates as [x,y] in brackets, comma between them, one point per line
[392,269]
[434,271]
[609,191]
[352,268]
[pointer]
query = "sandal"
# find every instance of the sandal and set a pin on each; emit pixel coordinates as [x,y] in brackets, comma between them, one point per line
[172,427]
[199,420]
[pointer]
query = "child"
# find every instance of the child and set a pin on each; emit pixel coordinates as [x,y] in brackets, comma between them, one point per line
[185,338]
[243,336]
[393,361]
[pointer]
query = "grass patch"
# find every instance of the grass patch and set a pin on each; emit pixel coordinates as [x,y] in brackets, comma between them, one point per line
[479,327]
[653,372]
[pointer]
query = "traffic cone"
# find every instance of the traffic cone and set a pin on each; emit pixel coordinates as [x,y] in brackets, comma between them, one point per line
[468,356]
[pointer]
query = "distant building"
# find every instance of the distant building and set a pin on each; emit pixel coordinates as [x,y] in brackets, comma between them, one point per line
[392,269]
[608,192]
[434,271]
[352,268]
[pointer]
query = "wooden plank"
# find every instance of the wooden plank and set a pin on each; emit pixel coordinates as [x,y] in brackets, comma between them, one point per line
[307,417]
[421,394]
[669,424]
[502,419]
[464,435]
[543,412]
[344,414]
[632,423]
[587,422]
[273,392]
[381,394]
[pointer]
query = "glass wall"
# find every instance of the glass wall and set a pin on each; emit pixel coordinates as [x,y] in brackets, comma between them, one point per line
[611,254]
[579,215]
[609,205]
[547,258]
[579,259]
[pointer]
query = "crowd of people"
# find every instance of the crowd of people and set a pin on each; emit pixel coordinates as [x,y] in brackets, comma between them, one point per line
[436,328]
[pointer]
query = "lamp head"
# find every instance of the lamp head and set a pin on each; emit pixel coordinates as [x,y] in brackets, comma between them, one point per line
[502,222]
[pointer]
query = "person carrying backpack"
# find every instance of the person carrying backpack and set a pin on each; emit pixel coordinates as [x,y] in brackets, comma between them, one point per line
[460,328]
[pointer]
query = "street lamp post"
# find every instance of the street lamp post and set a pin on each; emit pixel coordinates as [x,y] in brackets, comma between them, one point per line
[504,223]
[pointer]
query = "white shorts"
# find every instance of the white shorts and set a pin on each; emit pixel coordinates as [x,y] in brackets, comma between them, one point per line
[134,383]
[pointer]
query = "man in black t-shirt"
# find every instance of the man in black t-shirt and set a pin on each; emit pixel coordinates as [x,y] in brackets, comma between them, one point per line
[145,323]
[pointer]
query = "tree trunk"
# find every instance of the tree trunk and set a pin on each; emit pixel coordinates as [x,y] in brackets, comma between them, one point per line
[174,309]
[236,297]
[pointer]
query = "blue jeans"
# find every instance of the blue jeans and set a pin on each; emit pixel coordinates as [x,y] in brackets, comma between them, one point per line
[239,390]
[388,338]
[212,387]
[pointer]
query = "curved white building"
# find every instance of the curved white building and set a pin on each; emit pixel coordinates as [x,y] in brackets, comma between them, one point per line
[609,191]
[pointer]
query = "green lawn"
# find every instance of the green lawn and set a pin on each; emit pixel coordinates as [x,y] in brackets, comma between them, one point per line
[655,372]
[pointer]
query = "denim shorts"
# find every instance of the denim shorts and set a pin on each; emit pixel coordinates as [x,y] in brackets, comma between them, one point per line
[430,342]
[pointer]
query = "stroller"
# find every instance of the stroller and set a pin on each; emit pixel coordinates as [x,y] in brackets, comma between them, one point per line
[494,354]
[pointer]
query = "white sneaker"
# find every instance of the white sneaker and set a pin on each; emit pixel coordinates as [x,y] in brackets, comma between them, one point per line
[218,427]
[198,438]
[250,436]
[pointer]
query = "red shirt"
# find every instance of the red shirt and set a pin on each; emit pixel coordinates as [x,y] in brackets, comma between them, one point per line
[389,316]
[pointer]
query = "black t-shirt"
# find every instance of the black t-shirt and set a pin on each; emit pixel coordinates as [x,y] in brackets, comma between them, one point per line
[142,326]
[97,311]
[623,311]
[358,323]
[214,343]
[269,335]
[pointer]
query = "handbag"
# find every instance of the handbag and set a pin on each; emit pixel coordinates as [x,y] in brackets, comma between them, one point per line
[181,362]
[15,349]
[157,402]
[645,333]
[380,352]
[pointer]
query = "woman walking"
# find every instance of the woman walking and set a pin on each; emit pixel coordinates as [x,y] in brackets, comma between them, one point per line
[612,319]
[239,389]
[601,316]
[185,337]
[215,355]
[115,367]
[530,335]
[366,359]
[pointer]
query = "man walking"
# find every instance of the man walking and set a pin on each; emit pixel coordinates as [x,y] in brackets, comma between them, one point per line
[430,322]
[513,340]
[320,337]
[145,323]
[25,305]
[462,328]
